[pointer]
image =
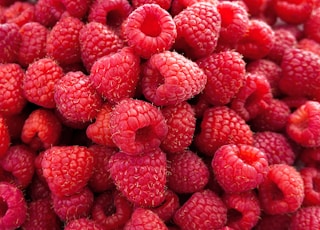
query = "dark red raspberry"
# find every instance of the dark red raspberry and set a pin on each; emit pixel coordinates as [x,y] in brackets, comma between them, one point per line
[38,189]
[149,29]
[4,136]
[199,104]
[41,216]
[258,40]
[187,173]
[13,206]
[309,45]
[276,146]
[306,218]
[67,169]
[141,179]
[253,98]
[75,8]
[144,219]
[311,181]
[303,124]
[76,98]
[255,7]
[198,28]
[203,210]
[10,39]
[33,43]
[282,190]
[220,126]
[111,210]
[165,4]
[97,40]
[18,165]
[274,222]
[83,223]
[106,71]
[181,122]
[239,168]
[19,13]
[63,41]
[39,81]
[294,102]
[243,210]
[169,78]
[225,76]
[137,126]
[311,25]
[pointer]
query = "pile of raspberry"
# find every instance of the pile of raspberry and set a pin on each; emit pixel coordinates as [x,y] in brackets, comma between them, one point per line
[159,114]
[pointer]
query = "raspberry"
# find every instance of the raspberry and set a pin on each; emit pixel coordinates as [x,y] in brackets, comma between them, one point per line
[255,7]
[4,136]
[311,181]
[67,169]
[97,40]
[119,69]
[221,126]
[282,191]
[38,189]
[311,24]
[43,13]
[276,146]
[149,29]
[168,78]
[39,81]
[274,222]
[306,218]
[137,126]
[243,210]
[141,179]
[258,41]
[13,206]
[19,13]
[63,41]
[41,129]
[78,8]
[165,4]
[181,124]
[309,45]
[33,43]
[310,157]
[198,28]
[203,210]
[76,98]
[144,219]
[303,124]
[18,165]
[187,173]
[83,223]
[246,167]
[294,102]
[100,180]
[225,76]
[178,5]
[10,39]
[111,210]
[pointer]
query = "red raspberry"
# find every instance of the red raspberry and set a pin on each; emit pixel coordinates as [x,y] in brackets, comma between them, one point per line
[274,222]
[10,39]
[294,102]
[83,223]
[292,11]
[41,129]
[239,168]
[39,81]
[220,126]
[41,216]
[75,8]
[311,25]
[311,181]
[137,126]
[38,189]
[306,218]
[105,74]
[310,157]
[276,146]
[243,210]
[168,78]
[4,136]
[111,210]
[33,43]
[178,5]
[295,30]
[187,173]
[309,45]
[63,41]
[225,76]
[165,4]
[67,169]
[253,98]
[19,13]
[44,14]
[199,104]
[97,40]
[144,219]
[18,165]
[74,206]
[255,7]
[203,210]
[181,122]
[198,28]
[303,124]
[258,40]
[282,190]
[76,98]
[100,180]
[141,179]
[13,206]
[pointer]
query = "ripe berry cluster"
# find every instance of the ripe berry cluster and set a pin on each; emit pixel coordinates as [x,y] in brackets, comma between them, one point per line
[159,114]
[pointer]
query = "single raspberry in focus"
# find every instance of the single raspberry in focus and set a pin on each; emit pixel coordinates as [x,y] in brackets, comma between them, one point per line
[20,13]
[311,181]
[10,39]
[83,223]
[306,218]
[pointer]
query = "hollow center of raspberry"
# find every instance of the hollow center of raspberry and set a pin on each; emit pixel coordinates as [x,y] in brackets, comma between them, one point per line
[114,18]
[233,215]
[226,17]
[144,134]
[276,192]
[151,26]
[247,157]
[109,210]
[3,207]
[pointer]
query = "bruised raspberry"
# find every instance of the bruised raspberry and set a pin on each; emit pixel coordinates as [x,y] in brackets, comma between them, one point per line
[10,39]
[311,181]
[306,218]
[83,223]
